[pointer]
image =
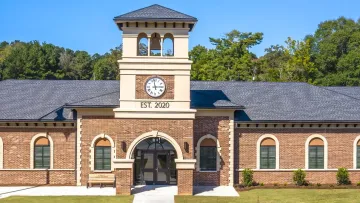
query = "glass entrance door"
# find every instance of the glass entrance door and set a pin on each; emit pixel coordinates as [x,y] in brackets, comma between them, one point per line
[155,162]
[156,168]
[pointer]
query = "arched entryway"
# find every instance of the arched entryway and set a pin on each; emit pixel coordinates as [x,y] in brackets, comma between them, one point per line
[155,162]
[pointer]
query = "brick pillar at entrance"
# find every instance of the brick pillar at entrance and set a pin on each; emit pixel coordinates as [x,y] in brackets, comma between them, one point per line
[185,181]
[185,175]
[123,175]
[123,181]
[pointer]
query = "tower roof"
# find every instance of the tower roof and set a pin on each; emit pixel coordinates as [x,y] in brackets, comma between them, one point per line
[155,12]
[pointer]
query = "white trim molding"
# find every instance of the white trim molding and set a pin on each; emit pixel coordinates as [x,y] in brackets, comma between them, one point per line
[32,143]
[150,135]
[78,149]
[1,154]
[277,150]
[218,154]
[311,137]
[357,139]
[92,150]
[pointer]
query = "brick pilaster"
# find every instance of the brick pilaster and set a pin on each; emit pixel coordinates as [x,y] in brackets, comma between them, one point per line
[185,181]
[123,181]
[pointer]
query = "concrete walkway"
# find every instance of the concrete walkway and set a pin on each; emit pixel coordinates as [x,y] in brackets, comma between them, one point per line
[55,191]
[154,193]
[142,193]
[219,191]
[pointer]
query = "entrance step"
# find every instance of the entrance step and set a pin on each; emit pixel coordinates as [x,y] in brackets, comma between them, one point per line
[154,193]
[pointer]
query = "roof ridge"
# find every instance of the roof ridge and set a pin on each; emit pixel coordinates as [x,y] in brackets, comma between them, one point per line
[174,10]
[330,90]
[134,11]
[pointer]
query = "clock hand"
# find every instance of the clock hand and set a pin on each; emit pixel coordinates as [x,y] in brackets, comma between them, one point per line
[154,85]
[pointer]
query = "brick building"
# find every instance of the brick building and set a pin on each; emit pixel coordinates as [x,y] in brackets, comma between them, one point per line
[155,126]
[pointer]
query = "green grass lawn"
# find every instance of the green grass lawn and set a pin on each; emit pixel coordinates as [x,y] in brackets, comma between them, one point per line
[252,196]
[77,199]
[282,196]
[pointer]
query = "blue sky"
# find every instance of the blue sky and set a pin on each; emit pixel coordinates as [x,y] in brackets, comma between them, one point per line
[88,25]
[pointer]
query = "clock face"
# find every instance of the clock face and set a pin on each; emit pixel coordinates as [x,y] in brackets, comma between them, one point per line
[155,87]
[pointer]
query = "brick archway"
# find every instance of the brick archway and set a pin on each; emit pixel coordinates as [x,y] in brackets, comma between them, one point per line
[152,134]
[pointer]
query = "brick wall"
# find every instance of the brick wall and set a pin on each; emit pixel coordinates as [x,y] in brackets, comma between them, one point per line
[16,142]
[37,177]
[292,152]
[140,84]
[185,180]
[126,130]
[218,127]
[123,181]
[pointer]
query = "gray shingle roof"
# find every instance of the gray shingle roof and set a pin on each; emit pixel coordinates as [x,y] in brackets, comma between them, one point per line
[156,12]
[259,101]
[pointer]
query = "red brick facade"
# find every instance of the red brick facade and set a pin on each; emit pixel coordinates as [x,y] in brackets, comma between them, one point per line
[219,128]
[292,153]
[16,151]
[126,130]
[16,155]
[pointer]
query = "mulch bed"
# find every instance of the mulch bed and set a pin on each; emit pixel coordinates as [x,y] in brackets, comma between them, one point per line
[293,186]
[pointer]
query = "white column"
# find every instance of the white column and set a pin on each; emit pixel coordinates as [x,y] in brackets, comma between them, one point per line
[161,46]
[149,41]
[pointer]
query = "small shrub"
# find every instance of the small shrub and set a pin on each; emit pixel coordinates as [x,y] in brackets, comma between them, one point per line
[342,176]
[310,184]
[299,177]
[262,184]
[331,185]
[358,184]
[247,175]
[276,184]
[318,184]
[285,184]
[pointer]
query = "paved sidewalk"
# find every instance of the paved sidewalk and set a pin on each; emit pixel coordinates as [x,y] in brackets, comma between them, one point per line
[55,191]
[220,191]
[154,194]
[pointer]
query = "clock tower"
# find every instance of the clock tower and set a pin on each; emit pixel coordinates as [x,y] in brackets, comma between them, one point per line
[155,66]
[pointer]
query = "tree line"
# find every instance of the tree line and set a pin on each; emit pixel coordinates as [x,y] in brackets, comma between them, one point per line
[329,56]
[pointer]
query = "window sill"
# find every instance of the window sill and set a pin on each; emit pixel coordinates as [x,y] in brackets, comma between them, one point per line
[207,171]
[102,171]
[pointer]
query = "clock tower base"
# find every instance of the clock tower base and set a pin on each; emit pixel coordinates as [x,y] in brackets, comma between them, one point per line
[165,114]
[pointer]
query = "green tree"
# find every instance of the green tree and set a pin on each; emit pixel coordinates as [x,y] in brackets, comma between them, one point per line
[229,60]
[81,66]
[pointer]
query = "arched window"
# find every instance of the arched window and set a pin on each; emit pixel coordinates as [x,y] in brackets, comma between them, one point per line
[1,154]
[267,152]
[155,44]
[357,153]
[102,154]
[142,48]
[208,154]
[168,45]
[42,154]
[316,152]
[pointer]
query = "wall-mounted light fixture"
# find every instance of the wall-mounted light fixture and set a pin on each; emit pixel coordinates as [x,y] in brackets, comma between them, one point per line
[186,147]
[123,146]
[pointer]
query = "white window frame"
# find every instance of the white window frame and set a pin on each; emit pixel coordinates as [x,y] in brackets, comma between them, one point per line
[218,160]
[1,154]
[92,152]
[311,137]
[355,152]
[277,151]
[32,146]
